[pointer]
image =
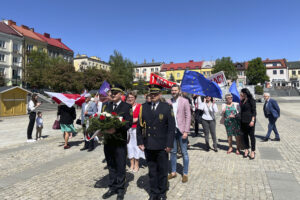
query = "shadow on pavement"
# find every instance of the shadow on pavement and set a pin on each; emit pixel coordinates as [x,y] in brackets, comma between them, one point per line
[103,182]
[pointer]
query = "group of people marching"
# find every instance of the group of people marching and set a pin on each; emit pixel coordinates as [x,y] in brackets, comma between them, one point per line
[161,127]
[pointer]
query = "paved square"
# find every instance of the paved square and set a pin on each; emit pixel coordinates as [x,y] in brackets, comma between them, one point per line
[44,170]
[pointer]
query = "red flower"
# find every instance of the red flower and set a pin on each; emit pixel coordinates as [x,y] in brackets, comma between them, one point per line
[114,113]
[96,115]
[90,117]
[102,117]
[123,120]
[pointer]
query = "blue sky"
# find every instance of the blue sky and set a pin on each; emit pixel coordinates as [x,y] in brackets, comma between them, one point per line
[167,30]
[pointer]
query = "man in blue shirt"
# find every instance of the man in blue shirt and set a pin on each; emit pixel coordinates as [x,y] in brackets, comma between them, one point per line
[272,112]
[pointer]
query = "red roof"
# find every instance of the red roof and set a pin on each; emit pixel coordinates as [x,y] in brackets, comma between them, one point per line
[53,41]
[4,28]
[182,66]
[281,61]
[24,30]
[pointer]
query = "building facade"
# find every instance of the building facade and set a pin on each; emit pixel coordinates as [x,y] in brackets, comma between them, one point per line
[143,71]
[175,71]
[241,73]
[277,71]
[82,62]
[11,45]
[294,73]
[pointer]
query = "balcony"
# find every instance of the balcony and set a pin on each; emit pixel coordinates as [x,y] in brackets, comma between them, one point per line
[294,77]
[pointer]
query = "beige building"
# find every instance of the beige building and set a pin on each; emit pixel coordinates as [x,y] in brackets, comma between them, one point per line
[143,71]
[82,62]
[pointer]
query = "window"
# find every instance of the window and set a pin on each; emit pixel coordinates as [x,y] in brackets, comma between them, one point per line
[144,70]
[298,72]
[156,69]
[274,71]
[178,75]
[2,71]
[15,60]
[152,69]
[137,71]
[2,57]
[29,47]
[294,72]
[204,73]
[281,71]
[15,47]
[2,44]
[208,73]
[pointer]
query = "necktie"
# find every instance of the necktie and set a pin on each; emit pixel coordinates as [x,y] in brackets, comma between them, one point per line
[153,107]
[114,106]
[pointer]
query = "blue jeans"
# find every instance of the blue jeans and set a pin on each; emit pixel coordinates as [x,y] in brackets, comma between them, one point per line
[272,127]
[183,145]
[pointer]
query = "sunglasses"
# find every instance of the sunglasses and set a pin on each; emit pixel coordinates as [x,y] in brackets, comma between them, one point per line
[115,92]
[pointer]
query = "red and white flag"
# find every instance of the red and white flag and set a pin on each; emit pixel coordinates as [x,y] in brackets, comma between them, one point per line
[68,99]
[157,80]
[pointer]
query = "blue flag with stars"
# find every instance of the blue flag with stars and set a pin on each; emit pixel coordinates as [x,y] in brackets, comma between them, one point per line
[235,93]
[195,83]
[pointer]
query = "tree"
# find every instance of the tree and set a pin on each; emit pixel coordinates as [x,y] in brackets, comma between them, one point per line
[256,72]
[141,86]
[226,65]
[121,69]
[93,77]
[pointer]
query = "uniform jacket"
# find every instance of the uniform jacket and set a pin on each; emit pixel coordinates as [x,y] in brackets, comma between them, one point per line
[123,110]
[273,108]
[160,127]
[92,109]
[183,115]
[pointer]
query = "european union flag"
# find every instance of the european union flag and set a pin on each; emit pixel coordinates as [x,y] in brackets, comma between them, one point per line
[195,83]
[235,93]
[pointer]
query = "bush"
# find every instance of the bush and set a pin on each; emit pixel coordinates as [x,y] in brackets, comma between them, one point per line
[259,90]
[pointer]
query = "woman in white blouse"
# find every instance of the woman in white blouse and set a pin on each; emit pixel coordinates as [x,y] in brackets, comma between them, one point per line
[209,121]
[32,106]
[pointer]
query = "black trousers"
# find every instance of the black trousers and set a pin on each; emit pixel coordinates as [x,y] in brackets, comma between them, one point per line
[32,116]
[116,162]
[157,161]
[196,118]
[248,132]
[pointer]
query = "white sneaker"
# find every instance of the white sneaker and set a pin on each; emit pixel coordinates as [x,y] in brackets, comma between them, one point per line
[31,140]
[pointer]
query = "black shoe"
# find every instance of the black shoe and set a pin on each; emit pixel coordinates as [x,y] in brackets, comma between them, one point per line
[91,146]
[152,197]
[207,149]
[108,194]
[162,197]
[265,140]
[120,196]
[276,139]
[216,149]
[86,146]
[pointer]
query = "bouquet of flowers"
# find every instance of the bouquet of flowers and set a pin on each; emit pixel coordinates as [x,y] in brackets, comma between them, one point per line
[98,124]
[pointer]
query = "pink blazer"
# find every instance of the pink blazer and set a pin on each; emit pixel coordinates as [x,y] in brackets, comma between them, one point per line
[183,116]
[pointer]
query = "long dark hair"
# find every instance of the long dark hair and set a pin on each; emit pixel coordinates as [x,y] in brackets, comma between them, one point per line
[33,98]
[247,93]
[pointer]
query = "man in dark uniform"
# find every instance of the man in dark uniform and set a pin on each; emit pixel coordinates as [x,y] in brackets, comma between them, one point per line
[155,136]
[115,150]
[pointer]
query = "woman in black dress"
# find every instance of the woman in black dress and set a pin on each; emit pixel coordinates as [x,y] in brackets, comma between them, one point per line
[248,119]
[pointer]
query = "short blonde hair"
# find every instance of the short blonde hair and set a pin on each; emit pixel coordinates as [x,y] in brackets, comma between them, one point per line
[228,95]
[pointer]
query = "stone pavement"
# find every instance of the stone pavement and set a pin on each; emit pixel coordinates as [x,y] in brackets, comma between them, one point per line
[44,170]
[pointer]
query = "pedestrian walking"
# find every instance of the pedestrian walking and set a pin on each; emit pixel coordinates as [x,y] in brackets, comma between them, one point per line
[32,107]
[209,109]
[155,136]
[67,116]
[182,116]
[248,119]
[272,112]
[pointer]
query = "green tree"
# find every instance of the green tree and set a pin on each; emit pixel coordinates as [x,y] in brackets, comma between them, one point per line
[256,72]
[93,77]
[121,69]
[226,65]
[141,86]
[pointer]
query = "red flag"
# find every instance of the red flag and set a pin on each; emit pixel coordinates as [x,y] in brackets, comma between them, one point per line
[157,80]
[68,99]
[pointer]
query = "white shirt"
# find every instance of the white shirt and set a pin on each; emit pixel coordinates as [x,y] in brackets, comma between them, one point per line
[212,108]
[175,107]
[39,122]
[99,106]
[156,104]
[31,107]
[198,103]
[118,103]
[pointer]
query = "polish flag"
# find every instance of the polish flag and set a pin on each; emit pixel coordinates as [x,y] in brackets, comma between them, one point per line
[68,99]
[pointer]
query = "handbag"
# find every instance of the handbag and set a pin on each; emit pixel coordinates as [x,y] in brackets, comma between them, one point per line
[56,125]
